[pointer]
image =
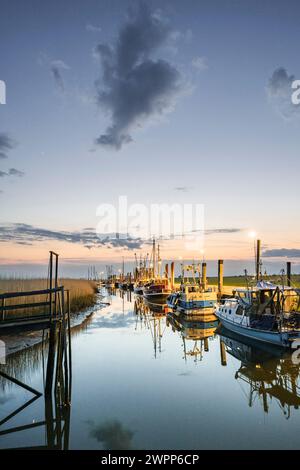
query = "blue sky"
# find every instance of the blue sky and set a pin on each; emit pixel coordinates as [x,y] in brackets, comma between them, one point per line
[225,139]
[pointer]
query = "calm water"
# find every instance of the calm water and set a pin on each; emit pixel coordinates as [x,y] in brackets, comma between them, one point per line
[145,381]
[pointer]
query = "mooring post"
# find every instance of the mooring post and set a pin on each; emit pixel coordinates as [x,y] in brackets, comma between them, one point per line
[51,358]
[257,259]
[69,344]
[167,271]
[204,276]
[288,273]
[223,353]
[172,275]
[206,345]
[220,277]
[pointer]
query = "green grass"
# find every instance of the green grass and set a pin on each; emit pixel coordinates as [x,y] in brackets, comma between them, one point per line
[239,281]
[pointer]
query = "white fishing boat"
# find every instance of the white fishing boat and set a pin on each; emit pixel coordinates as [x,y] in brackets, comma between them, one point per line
[266,312]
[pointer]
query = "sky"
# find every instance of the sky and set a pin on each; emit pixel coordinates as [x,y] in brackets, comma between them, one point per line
[164,102]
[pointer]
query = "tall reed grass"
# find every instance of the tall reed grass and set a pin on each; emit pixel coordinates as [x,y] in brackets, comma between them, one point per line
[82,293]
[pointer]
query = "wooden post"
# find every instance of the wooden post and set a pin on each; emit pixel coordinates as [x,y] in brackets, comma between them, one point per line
[220,276]
[172,275]
[167,270]
[288,273]
[51,358]
[3,309]
[223,353]
[206,345]
[204,277]
[257,259]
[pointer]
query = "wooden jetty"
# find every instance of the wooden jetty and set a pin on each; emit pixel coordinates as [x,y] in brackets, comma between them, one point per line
[58,383]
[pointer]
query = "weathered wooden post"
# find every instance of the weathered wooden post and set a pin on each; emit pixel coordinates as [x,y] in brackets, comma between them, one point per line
[204,276]
[172,275]
[220,277]
[288,273]
[223,353]
[257,259]
[167,270]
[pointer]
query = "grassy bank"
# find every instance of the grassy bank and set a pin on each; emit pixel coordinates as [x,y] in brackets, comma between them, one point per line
[82,292]
[239,281]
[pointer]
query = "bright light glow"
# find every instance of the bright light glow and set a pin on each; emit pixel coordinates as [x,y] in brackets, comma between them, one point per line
[252,234]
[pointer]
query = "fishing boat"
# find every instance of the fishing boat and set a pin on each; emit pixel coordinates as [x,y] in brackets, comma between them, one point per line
[265,312]
[138,288]
[158,289]
[194,298]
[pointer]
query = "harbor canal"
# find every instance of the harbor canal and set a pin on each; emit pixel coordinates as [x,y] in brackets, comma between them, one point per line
[143,379]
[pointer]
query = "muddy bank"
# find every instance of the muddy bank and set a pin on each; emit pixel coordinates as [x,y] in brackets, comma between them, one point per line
[18,340]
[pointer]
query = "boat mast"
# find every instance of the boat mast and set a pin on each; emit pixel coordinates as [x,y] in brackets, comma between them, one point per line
[154,258]
[158,261]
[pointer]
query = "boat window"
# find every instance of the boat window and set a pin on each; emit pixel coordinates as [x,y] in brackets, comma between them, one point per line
[239,310]
[229,311]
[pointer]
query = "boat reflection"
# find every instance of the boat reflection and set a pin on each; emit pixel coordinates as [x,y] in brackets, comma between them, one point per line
[270,373]
[151,316]
[195,334]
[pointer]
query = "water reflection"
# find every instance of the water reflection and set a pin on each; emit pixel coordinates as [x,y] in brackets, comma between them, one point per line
[112,435]
[195,335]
[137,363]
[152,317]
[268,372]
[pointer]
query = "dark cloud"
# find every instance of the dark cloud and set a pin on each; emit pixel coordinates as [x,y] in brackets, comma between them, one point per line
[223,230]
[135,87]
[56,67]
[6,144]
[282,253]
[113,435]
[11,172]
[24,233]
[279,90]
[15,172]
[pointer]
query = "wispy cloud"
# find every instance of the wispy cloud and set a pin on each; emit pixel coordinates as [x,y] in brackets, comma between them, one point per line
[56,67]
[279,91]
[6,144]
[282,253]
[12,172]
[134,87]
[200,63]
[93,29]
[24,233]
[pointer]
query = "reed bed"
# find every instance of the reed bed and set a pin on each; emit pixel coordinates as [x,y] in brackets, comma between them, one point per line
[82,293]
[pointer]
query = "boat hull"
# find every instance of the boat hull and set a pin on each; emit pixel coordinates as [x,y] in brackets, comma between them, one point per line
[272,337]
[158,298]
